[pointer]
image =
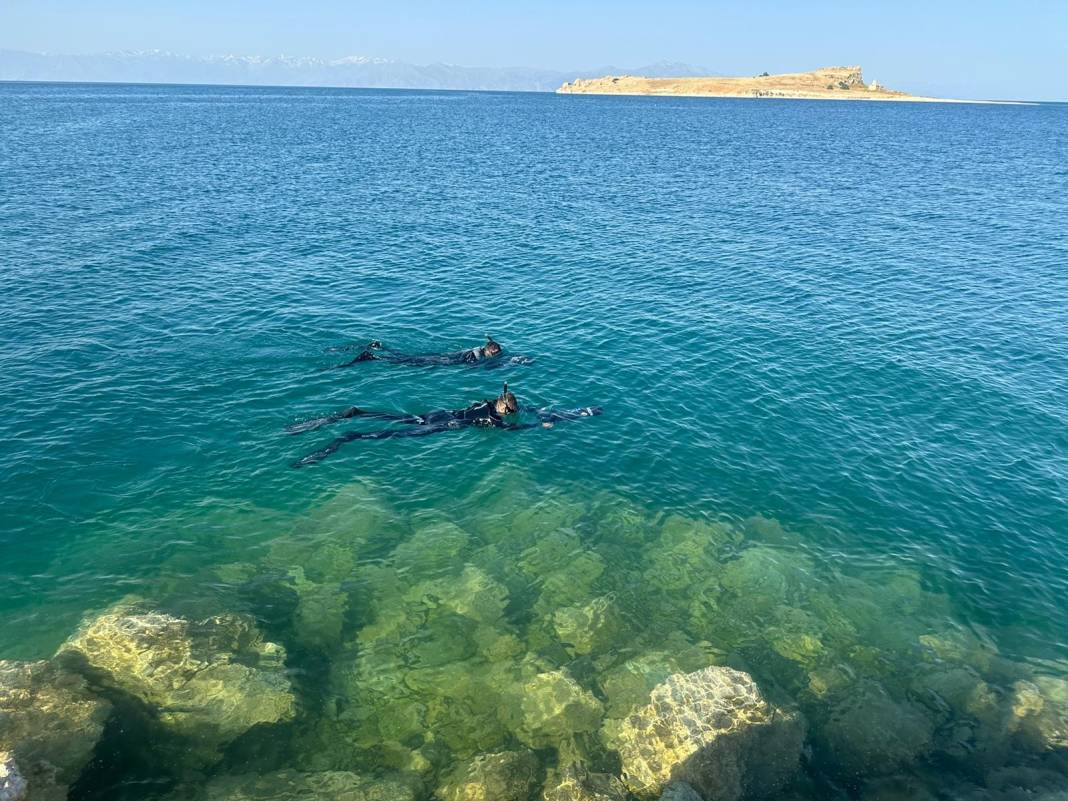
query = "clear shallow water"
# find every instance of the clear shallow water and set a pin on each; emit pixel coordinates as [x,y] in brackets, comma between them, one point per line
[846,319]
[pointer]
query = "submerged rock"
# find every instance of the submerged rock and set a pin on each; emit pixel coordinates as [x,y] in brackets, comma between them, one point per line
[1039,712]
[959,690]
[713,729]
[762,578]
[629,685]
[578,784]
[897,788]
[49,724]
[319,618]
[556,708]
[684,555]
[209,681]
[432,550]
[622,523]
[680,791]
[504,776]
[290,785]
[871,734]
[563,568]
[589,628]
[327,542]
[12,785]
[472,594]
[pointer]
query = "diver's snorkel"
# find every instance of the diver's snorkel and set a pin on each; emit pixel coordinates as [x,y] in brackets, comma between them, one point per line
[508,401]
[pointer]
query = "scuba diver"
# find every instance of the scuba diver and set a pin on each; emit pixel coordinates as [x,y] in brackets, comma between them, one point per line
[501,412]
[488,355]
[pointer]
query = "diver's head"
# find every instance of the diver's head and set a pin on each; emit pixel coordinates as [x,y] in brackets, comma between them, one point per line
[506,402]
[491,348]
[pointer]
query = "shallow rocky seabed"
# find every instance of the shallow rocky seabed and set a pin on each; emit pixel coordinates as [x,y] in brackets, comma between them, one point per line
[552,645]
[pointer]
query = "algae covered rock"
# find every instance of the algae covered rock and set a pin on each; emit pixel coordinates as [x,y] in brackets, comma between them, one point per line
[12,785]
[589,628]
[763,578]
[49,724]
[869,733]
[1039,712]
[556,708]
[680,791]
[563,569]
[622,523]
[684,556]
[210,680]
[327,542]
[437,663]
[628,686]
[432,550]
[712,729]
[319,617]
[290,785]
[575,783]
[503,776]
[473,594]
[960,690]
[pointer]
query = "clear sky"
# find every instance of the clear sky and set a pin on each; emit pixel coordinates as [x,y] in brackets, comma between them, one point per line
[970,48]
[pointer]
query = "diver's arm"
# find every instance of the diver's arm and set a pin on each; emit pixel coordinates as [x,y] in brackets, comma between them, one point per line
[556,415]
[386,433]
[374,344]
[547,418]
[518,426]
[365,356]
[506,361]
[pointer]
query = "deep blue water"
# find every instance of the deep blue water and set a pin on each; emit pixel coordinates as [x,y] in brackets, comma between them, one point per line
[849,318]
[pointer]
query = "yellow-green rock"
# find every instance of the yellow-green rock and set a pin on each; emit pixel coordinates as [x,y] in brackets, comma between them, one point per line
[575,783]
[556,708]
[12,783]
[869,733]
[589,628]
[1040,712]
[291,785]
[209,681]
[629,685]
[49,724]
[502,776]
[712,729]
[433,550]
[684,556]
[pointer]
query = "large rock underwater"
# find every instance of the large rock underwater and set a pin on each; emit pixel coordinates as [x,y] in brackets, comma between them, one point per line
[523,645]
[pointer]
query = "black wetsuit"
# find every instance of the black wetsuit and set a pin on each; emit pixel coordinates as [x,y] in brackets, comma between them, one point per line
[482,413]
[375,352]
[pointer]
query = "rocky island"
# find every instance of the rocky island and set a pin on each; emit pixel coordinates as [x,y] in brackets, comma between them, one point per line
[829,83]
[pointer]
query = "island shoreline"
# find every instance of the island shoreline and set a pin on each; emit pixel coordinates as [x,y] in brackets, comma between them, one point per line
[827,83]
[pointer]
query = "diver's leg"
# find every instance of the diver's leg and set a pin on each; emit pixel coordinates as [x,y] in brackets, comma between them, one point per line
[347,414]
[389,433]
[396,418]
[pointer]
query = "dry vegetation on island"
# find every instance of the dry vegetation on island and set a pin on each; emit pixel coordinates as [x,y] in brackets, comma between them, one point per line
[829,83]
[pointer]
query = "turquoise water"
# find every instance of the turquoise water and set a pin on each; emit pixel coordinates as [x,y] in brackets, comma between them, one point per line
[838,331]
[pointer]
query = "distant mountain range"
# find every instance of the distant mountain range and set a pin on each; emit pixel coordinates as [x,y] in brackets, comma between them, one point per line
[157,66]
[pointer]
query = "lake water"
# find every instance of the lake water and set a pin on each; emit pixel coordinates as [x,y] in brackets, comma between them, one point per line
[830,341]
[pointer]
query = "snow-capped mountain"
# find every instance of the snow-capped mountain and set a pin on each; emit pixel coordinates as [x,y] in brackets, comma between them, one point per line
[158,66]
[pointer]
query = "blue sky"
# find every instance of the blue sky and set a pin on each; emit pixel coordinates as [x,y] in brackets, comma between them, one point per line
[970,49]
